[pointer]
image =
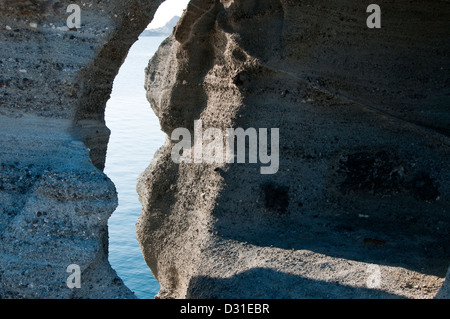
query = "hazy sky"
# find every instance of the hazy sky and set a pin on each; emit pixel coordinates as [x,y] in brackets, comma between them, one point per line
[166,11]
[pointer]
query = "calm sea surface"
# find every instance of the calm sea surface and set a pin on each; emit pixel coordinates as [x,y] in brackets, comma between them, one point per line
[135,137]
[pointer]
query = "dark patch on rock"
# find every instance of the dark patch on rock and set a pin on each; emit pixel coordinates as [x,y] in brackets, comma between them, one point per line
[371,172]
[423,187]
[241,79]
[374,241]
[382,173]
[276,197]
[239,55]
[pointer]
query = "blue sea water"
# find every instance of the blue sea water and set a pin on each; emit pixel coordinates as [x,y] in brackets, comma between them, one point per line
[135,137]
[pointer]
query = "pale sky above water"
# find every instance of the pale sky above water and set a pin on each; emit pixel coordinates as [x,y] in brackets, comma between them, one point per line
[166,11]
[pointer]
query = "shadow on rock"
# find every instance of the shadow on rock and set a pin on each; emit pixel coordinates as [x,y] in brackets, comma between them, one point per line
[265,283]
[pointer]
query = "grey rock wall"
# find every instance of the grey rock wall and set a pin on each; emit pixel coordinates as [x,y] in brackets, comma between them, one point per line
[359,207]
[54,199]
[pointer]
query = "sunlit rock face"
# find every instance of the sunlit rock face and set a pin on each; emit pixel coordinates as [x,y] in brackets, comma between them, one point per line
[359,207]
[54,199]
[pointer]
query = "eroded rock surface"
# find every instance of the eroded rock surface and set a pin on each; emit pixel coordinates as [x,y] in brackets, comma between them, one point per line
[360,201]
[54,199]
[360,205]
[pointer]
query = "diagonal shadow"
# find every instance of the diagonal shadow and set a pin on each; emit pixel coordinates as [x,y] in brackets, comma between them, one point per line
[272,284]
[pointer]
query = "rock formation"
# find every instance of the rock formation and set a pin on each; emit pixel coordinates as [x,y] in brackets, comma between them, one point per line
[359,207]
[54,199]
[163,31]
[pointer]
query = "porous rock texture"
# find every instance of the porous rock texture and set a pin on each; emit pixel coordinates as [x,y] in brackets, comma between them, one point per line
[360,205]
[360,201]
[55,200]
